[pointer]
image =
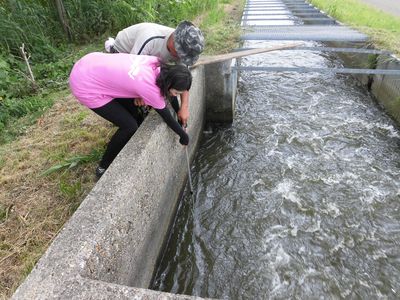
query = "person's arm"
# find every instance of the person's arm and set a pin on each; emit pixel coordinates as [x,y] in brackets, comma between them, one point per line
[183,113]
[139,102]
[174,125]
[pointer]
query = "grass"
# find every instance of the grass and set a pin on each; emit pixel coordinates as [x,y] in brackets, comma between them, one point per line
[36,202]
[19,115]
[222,36]
[383,28]
[48,157]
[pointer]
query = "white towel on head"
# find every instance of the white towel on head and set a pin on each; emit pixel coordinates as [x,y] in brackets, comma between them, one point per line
[108,44]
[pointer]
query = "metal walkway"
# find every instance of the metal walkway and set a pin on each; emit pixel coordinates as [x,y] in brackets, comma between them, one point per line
[303,33]
[298,20]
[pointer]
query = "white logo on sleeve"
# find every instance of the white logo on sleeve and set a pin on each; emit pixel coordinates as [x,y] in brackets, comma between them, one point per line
[138,67]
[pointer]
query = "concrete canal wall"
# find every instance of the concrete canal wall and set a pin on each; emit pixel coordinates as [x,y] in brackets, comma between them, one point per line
[385,88]
[221,81]
[110,246]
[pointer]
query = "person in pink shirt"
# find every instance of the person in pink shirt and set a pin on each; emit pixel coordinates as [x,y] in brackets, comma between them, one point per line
[107,83]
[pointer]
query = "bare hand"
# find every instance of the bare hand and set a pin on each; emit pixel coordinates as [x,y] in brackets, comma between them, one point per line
[139,102]
[183,116]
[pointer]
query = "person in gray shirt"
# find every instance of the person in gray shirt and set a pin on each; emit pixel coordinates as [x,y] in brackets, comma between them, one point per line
[181,45]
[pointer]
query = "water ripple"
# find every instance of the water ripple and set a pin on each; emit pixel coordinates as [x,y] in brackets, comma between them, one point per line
[298,199]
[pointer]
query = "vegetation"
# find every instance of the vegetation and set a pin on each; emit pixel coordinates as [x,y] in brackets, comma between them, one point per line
[383,28]
[49,144]
[51,32]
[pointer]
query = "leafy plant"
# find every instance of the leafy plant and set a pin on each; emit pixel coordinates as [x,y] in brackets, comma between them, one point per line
[70,190]
[3,213]
[72,162]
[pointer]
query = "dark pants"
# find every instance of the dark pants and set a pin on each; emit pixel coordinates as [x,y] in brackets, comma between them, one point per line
[127,117]
[113,50]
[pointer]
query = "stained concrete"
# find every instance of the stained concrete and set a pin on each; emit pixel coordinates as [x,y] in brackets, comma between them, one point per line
[221,79]
[387,88]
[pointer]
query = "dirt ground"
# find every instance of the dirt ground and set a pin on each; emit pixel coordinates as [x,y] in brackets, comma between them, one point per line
[35,207]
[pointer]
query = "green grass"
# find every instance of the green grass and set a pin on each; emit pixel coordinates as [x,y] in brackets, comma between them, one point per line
[74,161]
[3,213]
[222,31]
[383,28]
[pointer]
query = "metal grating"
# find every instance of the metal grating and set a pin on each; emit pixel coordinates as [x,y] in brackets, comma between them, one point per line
[276,1]
[290,17]
[304,33]
[272,10]
[282,6]
[332,49]
[321,70]
[277,5]
[295,11]
[281,14]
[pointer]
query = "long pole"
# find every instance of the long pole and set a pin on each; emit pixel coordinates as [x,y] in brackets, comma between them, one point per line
[189,172]
[222,57]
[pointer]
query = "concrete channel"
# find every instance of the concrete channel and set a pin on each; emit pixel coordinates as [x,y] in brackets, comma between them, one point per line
[110,247]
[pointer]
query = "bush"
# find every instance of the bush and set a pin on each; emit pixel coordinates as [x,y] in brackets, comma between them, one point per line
[13,82]
[29,23]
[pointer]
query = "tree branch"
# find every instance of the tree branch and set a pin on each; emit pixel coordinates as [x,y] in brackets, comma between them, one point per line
[32,78]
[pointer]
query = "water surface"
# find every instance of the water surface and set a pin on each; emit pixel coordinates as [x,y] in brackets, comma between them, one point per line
[298,198]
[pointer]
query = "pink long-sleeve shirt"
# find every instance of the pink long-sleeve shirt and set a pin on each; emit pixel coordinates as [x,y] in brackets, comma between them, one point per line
[98,78]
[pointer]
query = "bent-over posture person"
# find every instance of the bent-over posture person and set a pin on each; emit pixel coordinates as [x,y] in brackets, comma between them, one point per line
[106,83]
[181,45]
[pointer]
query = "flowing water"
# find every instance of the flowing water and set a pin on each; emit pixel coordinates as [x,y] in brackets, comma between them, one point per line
[299,198]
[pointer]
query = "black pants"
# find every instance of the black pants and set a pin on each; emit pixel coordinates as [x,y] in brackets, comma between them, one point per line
[127,117]
[113,50]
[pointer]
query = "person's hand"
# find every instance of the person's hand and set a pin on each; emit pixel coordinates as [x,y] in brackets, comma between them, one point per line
[183,116]
[184,140]
[139,102]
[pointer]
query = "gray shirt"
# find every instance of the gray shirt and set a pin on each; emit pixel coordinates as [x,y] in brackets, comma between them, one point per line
[132,39]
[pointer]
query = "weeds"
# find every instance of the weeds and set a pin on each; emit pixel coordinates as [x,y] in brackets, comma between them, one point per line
[222,36]
[3,213]
[74,161]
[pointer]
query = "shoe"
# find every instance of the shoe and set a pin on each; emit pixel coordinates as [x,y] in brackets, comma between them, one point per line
[100,171]
[109,44]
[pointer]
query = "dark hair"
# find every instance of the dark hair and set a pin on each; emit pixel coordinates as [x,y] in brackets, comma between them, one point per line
[176,77]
